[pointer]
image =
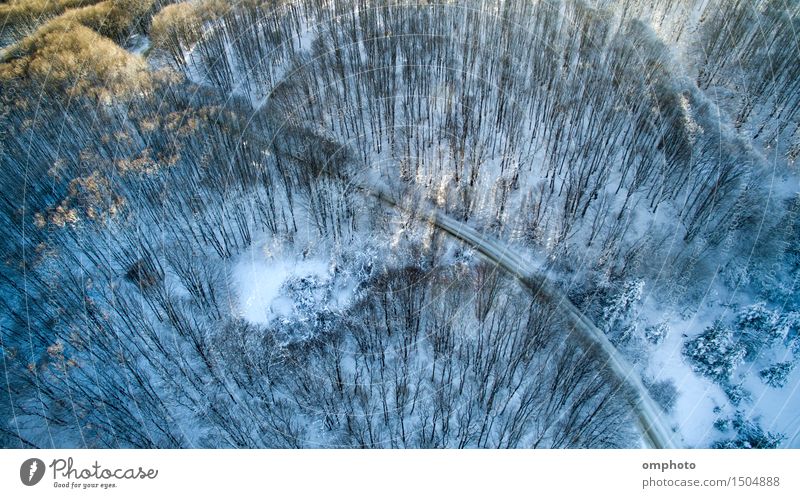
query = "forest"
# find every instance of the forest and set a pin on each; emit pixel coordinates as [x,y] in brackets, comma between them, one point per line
[399,224]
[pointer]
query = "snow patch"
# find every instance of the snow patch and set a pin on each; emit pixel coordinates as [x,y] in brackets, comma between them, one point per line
[259,281]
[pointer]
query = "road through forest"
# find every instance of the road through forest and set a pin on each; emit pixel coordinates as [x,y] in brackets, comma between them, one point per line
[650,418]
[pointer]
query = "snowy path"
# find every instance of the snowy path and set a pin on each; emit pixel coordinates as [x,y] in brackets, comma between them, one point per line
[650,418]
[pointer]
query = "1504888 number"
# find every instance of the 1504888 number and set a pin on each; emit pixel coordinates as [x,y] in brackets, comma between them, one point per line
[758,481]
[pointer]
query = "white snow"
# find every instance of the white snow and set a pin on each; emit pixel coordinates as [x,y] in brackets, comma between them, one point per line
[778,409]
[697,397]
[257,279]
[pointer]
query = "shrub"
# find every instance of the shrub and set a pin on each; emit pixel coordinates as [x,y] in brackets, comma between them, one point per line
[722,424]
[757,328]
[736,393]
[750,436]
[144,273]
[714,353]
[656,334]
[775,375]
[664,393]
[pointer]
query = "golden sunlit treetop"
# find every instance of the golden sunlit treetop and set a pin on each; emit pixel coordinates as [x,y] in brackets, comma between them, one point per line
[63,55]
[15,13]
[112,18]
[183,21]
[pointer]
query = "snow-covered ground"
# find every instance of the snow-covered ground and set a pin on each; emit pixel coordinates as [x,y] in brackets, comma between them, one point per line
[778,410]
[274,283]
[258,280]
[701,401]
[492,177]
